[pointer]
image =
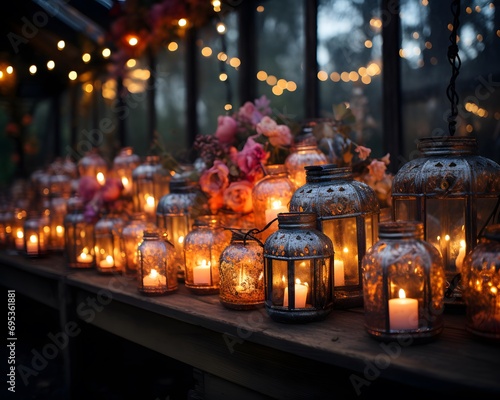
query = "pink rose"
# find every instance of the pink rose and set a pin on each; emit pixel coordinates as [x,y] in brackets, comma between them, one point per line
[248,113]
[88,187]
[214,180]
[363,152]
[251,156]
[377,169]
[238,197]
[278,135]
[226,129]
[112,189]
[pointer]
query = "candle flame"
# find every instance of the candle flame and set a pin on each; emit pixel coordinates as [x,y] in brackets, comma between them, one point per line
[462,244]
[276,204]
[402,294]
[33,239]
[100,178]
[109,259]
[447,238]
[153,274]
[20,234]
[346,250]
[181,239]
[125,181]
[150,200]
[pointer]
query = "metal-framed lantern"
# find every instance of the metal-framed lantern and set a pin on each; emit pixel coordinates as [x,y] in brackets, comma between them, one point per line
[131,238]
[20,215]
[242,273]
[454,192]
[107,247]
[347,212]
[403,283]
[305,151]
[298,268]
[150,181]
[202,249]
[270,196]
[174,216]
[35,236]
[481,270]
[78,236]
[123,165]
[57,211]
[157,274]
[6,222]
[94,165]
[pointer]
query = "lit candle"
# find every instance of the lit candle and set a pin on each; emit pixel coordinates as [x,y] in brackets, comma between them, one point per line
[300,294]
[127,186]
[108,262]
[276,208]
[59,231]
[338,271]
[32,245]
[461,255]
[403,312]
[84,258]
[154,279]
[19,239]
[149,206]
[100,178]
[201,273]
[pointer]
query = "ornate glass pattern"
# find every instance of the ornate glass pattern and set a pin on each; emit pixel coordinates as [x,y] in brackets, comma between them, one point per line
[108,252]
[78,236]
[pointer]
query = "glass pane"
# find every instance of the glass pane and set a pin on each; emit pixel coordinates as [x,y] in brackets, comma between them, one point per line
[426,72]
[280,54]
[349,65]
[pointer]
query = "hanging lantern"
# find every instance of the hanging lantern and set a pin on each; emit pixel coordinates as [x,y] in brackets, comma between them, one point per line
[150,183]
[131,238]
[35,238]
[108,254]
[481,270]
[453,191]
[78,236]
[242,273]
[304,152]
[174,216]
[298,267]
[92,164]
[20,215]
[57,212]
[347,213]
[157,273]
[202,249]
[123,166]
[403,283]
[271,196]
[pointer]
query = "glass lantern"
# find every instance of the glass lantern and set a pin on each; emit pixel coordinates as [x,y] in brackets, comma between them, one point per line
[78,236]
[304,152]
[92,164]
[35,237]
[57,212]
[107,247]
[174,216]
[481,270]
[6,222]
[202,249]
[453,191]
[131,238]
[150,182]
[403,283]
[123,166]
[347,213]
[271,196]
[157,272]
[298,267]
[20,215]
[242,273]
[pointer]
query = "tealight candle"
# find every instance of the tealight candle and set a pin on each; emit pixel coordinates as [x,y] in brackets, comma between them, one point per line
[19,240]
[300,295]
[201,273]
[32,245]
[149,205]
[84,258]
[108,262]
[338,272]
[403,312]
[154,279]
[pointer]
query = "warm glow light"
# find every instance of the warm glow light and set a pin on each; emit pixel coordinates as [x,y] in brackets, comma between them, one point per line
[368,44]
[172,46]
[322,76]
[335,76]
[221,28]
[223,77]
[100,178]
[228,107]
[234,62]
[33,69]
[282,83]
[106,52]
[271,80]
[261,76]
[133,41]
[344,76]
[291,86]
[402,294]
[366,80]
[72,75]
[131,63]
[88,87]
[222,56]
[206,51]
[61,45]
[260,9]
[1,74]
[183,22]
[86,57]
[50,65]
[9,69]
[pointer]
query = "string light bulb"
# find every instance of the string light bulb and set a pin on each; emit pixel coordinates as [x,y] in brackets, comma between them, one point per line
[61,44]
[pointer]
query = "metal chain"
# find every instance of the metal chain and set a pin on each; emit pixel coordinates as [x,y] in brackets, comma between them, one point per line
[455,62]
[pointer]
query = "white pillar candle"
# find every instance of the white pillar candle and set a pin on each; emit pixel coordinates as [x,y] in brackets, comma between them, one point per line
[84,258]
[300,295]
[338,272]
[461,255]
[403,312]
[201,273]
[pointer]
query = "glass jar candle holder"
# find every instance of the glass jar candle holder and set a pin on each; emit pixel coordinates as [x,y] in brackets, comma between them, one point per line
[131,238]
[298,268]
[173,215]
[271,196]
[6,223]
[481,270]
[123,165]
[403,283]
[78,236]
[347,213]
[20,215]
[242,273]
[202,249]
[35,237]
[57,211]
[453,191]
[108,253]
[94,165]
[156,271]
